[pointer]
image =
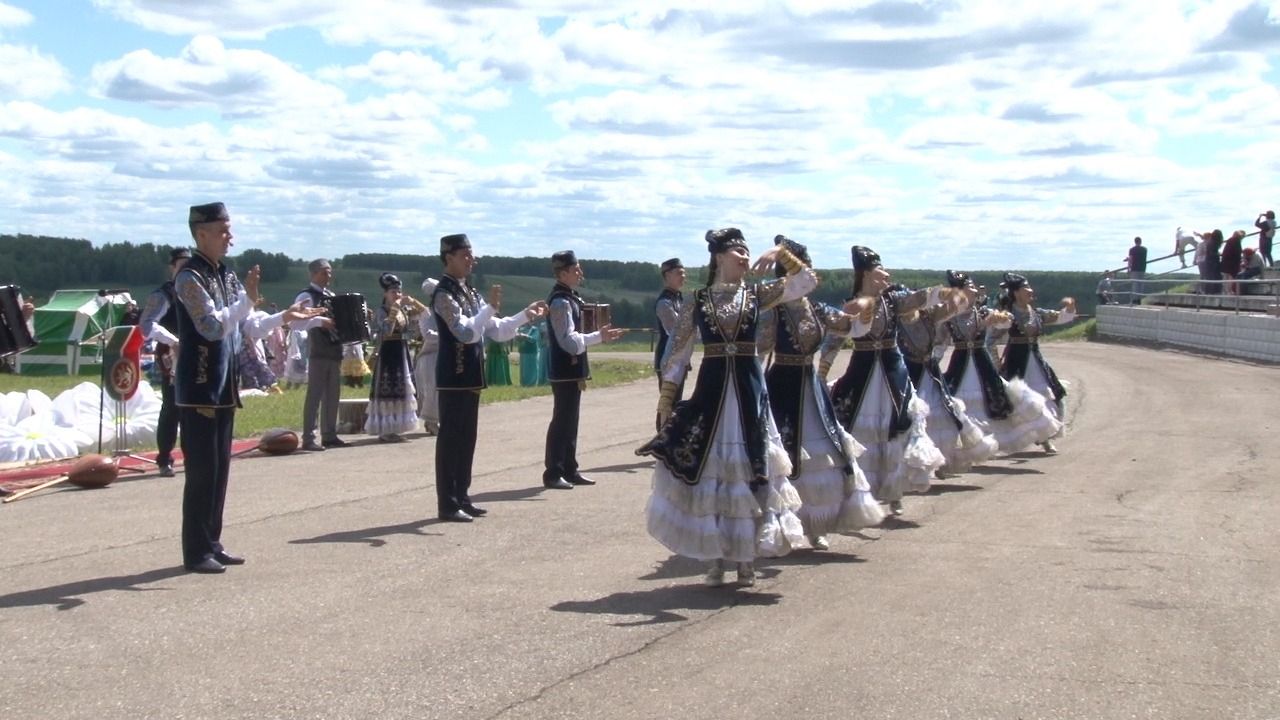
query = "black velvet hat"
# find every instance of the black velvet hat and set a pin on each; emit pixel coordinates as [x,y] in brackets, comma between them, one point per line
[722,240]
[672,264]
[563,260]
[1012,282]
[449,243]
[864,258]
[212,212]
[957,279]
[800,251]
[177,254]
[388,281]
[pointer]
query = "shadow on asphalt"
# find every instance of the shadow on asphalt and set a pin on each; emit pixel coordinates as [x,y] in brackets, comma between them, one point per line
[897,523]
[809,558]
[67,596]
[676,566]
[629,468]
[1026,455]
[940,488]
[519,494]
[1003,470]
[659,605]
[373,536]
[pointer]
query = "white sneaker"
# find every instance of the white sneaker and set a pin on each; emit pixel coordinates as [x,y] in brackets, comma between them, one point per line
[746,574]
[895,507]
[819,542]
[1049,447]
[715,576]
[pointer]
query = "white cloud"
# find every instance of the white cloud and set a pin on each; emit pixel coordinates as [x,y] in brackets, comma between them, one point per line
[11,16]
[28,73]
[946,133]
[233,18]
[236,82]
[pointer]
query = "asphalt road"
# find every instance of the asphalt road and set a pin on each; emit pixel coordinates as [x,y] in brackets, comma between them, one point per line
[1133,575]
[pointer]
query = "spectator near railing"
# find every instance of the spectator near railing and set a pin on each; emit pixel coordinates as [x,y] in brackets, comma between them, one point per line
[1222,263]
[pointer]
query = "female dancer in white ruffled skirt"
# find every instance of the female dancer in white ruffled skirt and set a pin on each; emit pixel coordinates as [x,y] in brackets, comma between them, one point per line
[1022,357]
[874,399]
[1014,414]
[962,442]
[720,487]
[824,466]
[392,404]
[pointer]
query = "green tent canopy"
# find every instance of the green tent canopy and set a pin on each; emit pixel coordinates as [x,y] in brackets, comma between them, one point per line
[70,318]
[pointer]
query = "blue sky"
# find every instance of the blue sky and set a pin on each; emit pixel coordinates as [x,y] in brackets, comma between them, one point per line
[943,133]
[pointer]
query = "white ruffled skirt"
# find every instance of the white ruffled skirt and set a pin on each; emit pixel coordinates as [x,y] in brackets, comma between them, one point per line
[962,448]
[1030,422]
[424,378]
[1039,384]
[720,518]
[388,416]
[833,500]
[904,463]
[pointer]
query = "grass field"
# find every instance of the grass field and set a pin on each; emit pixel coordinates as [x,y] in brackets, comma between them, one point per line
[285,409]
[1079,331]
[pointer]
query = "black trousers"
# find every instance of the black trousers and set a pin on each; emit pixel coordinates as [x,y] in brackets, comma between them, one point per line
[562,433]
[455,448]
[206,450]
[166,426]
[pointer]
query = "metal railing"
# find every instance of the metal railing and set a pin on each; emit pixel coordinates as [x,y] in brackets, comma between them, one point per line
[1140,288]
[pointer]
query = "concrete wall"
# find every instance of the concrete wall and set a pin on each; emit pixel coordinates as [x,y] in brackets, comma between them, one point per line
[1252,336]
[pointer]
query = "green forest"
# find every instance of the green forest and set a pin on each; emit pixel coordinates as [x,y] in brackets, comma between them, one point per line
[41,265]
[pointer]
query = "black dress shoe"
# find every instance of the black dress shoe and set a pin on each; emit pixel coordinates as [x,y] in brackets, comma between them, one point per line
[5,492]
[474,511]
[335,443]
[580,480]
[207,566]
[312,446]
[456,516]
[557,484]
[227,558]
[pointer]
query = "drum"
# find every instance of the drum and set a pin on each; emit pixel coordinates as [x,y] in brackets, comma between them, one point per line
[350,318]
[594,316]
[15,336]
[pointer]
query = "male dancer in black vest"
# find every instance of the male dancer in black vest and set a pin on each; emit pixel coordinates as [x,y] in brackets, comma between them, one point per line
[464,321]
[324,363]
[159,322]
[667,308]
[211,303]
[568,371]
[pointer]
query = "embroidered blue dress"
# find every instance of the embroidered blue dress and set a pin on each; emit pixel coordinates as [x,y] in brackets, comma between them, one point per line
[393,407]
[961,441]
[1022,358]
[824,469]
[1015,415]
[876,403]
[720,487]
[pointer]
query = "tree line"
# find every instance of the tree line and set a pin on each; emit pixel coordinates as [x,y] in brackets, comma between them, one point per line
[631,275]
[42,264]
